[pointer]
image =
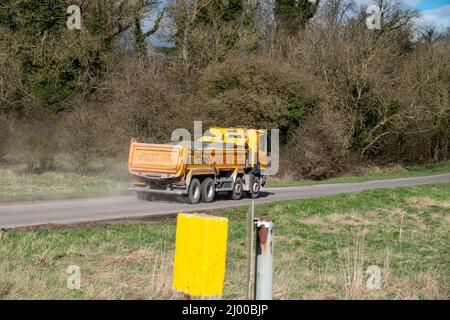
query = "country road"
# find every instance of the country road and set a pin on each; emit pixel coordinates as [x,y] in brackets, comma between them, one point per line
[128,207]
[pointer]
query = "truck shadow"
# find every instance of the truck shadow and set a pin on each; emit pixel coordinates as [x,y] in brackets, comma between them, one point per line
[225,196]
[220,196]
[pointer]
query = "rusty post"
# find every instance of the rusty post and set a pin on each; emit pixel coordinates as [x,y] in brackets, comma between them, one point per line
[264,260]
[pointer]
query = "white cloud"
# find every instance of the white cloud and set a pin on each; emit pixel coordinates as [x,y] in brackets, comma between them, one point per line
[411,3]
[408,3]
[439,17]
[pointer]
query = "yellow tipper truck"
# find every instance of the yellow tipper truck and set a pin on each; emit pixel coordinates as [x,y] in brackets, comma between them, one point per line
[228,160]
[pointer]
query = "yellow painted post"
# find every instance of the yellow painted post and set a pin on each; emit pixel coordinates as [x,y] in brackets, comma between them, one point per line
[200,254]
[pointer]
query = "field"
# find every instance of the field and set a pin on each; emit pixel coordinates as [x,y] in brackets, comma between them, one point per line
[323,248]
[18,185]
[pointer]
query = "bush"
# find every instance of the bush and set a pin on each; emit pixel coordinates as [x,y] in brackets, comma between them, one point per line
[261,92]
[133,103]
[77,132]
[4,136]
[136,103]
[33,143]
[318,149]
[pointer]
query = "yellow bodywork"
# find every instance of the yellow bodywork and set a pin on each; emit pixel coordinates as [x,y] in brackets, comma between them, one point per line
[166,159]
[200,254]
[172,161]
[253,140]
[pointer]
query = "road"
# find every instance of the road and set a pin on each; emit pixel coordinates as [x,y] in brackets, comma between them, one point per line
[128,207]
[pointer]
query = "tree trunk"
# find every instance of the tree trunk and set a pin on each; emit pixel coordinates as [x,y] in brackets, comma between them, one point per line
[185,49]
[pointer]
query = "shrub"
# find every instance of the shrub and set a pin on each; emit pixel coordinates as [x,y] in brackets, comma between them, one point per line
[136,103]
[4,135]
[261,92]
[77,132]
[33,143]
[319,147]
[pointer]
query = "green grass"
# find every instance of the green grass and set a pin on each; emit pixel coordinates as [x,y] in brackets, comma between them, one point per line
[371,173]
[16,185]
[323,247]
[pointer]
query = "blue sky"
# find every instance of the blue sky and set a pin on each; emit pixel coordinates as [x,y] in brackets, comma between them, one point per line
[430,4]
[435,12]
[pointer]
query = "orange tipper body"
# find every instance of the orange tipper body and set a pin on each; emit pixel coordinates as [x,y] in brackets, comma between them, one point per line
[156,159]
[221,157]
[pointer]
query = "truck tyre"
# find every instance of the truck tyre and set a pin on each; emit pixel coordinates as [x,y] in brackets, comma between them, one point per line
[208,190]
[195,191]
[144,196]
[255,188]
[237,189]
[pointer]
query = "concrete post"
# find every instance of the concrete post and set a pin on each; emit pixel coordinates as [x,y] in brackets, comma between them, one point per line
[264,260]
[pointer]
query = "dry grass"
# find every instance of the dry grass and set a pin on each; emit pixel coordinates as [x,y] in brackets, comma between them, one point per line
[427,202]
[108,270]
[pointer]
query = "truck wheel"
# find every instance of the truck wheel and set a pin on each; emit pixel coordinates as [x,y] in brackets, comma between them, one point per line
[195,191]
[237,190]
[208,190]
[144,196]
[256,188]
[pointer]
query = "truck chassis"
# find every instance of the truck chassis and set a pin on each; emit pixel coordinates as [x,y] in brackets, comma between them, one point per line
[196,186]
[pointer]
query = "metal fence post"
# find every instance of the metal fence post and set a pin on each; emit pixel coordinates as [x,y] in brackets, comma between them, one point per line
[264,260]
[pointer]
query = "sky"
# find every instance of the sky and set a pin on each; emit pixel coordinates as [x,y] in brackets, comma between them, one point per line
[436,12]
[427,4]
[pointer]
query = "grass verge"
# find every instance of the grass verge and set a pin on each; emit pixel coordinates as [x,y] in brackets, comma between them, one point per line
[16,185]
[323,250]
[372,173]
